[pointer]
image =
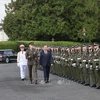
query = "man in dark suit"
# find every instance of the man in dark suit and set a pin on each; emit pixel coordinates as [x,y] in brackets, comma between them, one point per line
[46,61]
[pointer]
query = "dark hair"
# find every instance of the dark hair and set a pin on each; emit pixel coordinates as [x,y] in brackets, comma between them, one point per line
[31,43]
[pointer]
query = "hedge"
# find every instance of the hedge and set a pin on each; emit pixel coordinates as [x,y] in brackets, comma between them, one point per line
[15,44]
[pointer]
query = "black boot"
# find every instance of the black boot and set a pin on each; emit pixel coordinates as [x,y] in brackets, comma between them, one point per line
[94,85]
[98,87]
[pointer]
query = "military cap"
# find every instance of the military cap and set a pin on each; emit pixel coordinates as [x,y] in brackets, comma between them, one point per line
[22,46]
[31,43]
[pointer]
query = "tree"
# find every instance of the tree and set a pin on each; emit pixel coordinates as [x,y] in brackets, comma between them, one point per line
[44,19]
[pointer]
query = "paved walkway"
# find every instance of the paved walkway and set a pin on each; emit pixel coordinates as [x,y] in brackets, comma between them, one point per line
[12,88]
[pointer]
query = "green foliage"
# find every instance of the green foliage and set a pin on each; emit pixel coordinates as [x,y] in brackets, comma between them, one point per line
[44,19]
[8,45]
[15,44]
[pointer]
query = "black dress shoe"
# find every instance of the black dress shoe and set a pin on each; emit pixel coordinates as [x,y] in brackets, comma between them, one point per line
[22,79]
[86,84]
[98,87]
[94,85]
[82,82]
[35,82]
[47,81]
[25,79]
[79,81]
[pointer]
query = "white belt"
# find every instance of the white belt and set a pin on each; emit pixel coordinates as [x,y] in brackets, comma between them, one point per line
[62,58]
[71,59]
[96,59]
[74,64]
[66,60]
[86,65]
[55,56]
[84,60]
[78,58]
[97,67]
[89,60]
[58,62]
[80,65]
[91,67]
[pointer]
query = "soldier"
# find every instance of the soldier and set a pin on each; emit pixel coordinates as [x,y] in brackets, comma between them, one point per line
[96,65]
[68,63]
[78,62]
[58,62]
[62,58]
[52,50]
[73,59]
[75,63]
[54,58]
[32,57]
[70,60]
[83,50]
[91,67]
[85,67]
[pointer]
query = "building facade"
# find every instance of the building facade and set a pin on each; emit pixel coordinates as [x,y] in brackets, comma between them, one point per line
[3,35]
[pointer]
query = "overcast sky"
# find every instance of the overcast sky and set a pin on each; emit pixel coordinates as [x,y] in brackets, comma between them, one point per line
[2,8]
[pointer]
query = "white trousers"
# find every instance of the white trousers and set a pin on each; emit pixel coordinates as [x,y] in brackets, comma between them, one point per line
[23,71]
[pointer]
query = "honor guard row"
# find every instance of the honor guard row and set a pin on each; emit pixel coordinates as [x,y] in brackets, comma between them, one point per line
[80,64]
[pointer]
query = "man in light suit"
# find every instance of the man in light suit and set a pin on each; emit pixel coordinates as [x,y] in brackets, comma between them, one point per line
[22,62]
[46,61]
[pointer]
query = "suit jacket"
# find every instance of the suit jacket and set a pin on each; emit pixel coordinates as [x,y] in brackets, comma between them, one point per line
[46,59]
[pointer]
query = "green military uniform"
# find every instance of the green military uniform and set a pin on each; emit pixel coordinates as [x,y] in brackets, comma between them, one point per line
[54,57]
[70,65]
[74,69]
[81,68]
[56,62]
[78,60]
[52,49]
[92,73]
[86,68]
[91,69]
[96,65]
[32,58]
[66,63]
[63,67]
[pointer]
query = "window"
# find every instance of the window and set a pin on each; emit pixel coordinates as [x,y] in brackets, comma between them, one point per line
[9,52]
[14,52]
[1,52]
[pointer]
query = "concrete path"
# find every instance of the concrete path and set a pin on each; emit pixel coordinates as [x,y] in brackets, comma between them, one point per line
[12,88]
